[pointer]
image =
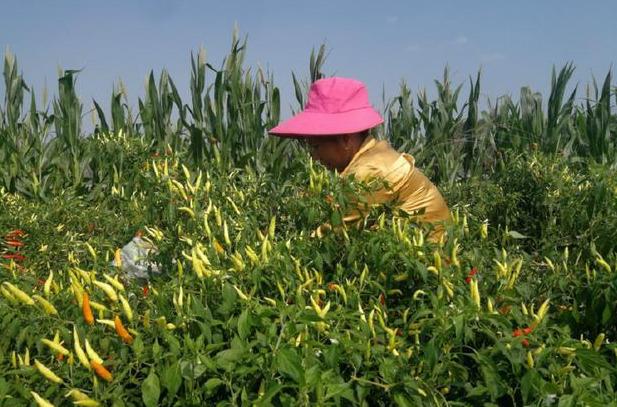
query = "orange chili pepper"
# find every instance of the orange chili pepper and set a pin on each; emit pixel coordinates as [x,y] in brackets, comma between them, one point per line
[121,331]
[88,317]
[101,371]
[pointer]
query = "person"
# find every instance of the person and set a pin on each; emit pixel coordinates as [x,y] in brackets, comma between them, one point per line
[336,124]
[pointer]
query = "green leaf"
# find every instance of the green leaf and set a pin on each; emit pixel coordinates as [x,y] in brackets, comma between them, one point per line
[212,384]
[458,326]
[156,349]
[567,400]
[4,388]
[171,379]
[273,390]
[191,370]
[138,346]
[531,385]
[590,360]
[606,314]
[516,235]
[244,324]
[150,390]
[339,390]
[227,358]
[402,400]
[290,364]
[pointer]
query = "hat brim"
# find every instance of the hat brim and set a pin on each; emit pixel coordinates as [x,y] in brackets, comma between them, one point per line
[316,124]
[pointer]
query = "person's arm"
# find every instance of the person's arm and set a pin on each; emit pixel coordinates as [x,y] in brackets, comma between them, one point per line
[374,191]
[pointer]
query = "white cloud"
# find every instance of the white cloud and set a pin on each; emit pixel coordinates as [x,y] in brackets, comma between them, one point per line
[460,40]
[392,19]
[492,57]
[413,48]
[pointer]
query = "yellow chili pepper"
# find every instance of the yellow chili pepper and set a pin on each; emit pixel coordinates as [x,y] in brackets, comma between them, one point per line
[530,361]
[19,294]
[47,285]
[81,356]
[55,346]
[76,395]
[126,308]
[45,371]
[599,341]
[92,354]
[115,282]
[108,290]
[40,401]
[90,250]
[47,306]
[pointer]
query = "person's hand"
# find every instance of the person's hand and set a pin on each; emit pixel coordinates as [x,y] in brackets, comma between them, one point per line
[321,230]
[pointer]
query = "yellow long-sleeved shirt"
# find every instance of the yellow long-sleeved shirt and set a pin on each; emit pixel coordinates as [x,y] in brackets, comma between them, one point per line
[406,186]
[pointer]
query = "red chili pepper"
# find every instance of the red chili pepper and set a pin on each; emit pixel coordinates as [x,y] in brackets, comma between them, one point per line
[517,332]
[527,330]
[15,233]
[471,273]
[382,299]
[13,256]
[146,289]
[525,342]
[14,243]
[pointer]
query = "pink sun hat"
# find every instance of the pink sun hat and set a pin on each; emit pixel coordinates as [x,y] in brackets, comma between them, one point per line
[335,106]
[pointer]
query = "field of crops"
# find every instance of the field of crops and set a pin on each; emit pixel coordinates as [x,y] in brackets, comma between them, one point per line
[518,306]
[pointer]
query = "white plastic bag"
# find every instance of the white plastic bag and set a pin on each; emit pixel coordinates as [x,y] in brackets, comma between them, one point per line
[135,262]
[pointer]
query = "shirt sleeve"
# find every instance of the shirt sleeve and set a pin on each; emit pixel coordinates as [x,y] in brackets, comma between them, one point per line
[383,185]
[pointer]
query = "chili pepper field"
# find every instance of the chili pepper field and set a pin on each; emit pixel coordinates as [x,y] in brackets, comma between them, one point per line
[517,306]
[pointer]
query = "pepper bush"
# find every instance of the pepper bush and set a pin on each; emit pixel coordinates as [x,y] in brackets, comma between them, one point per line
[253,307]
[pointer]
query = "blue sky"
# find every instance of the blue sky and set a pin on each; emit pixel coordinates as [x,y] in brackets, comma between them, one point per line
[515,43]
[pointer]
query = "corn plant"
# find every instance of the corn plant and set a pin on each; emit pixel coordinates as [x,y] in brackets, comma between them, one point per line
[71,155]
